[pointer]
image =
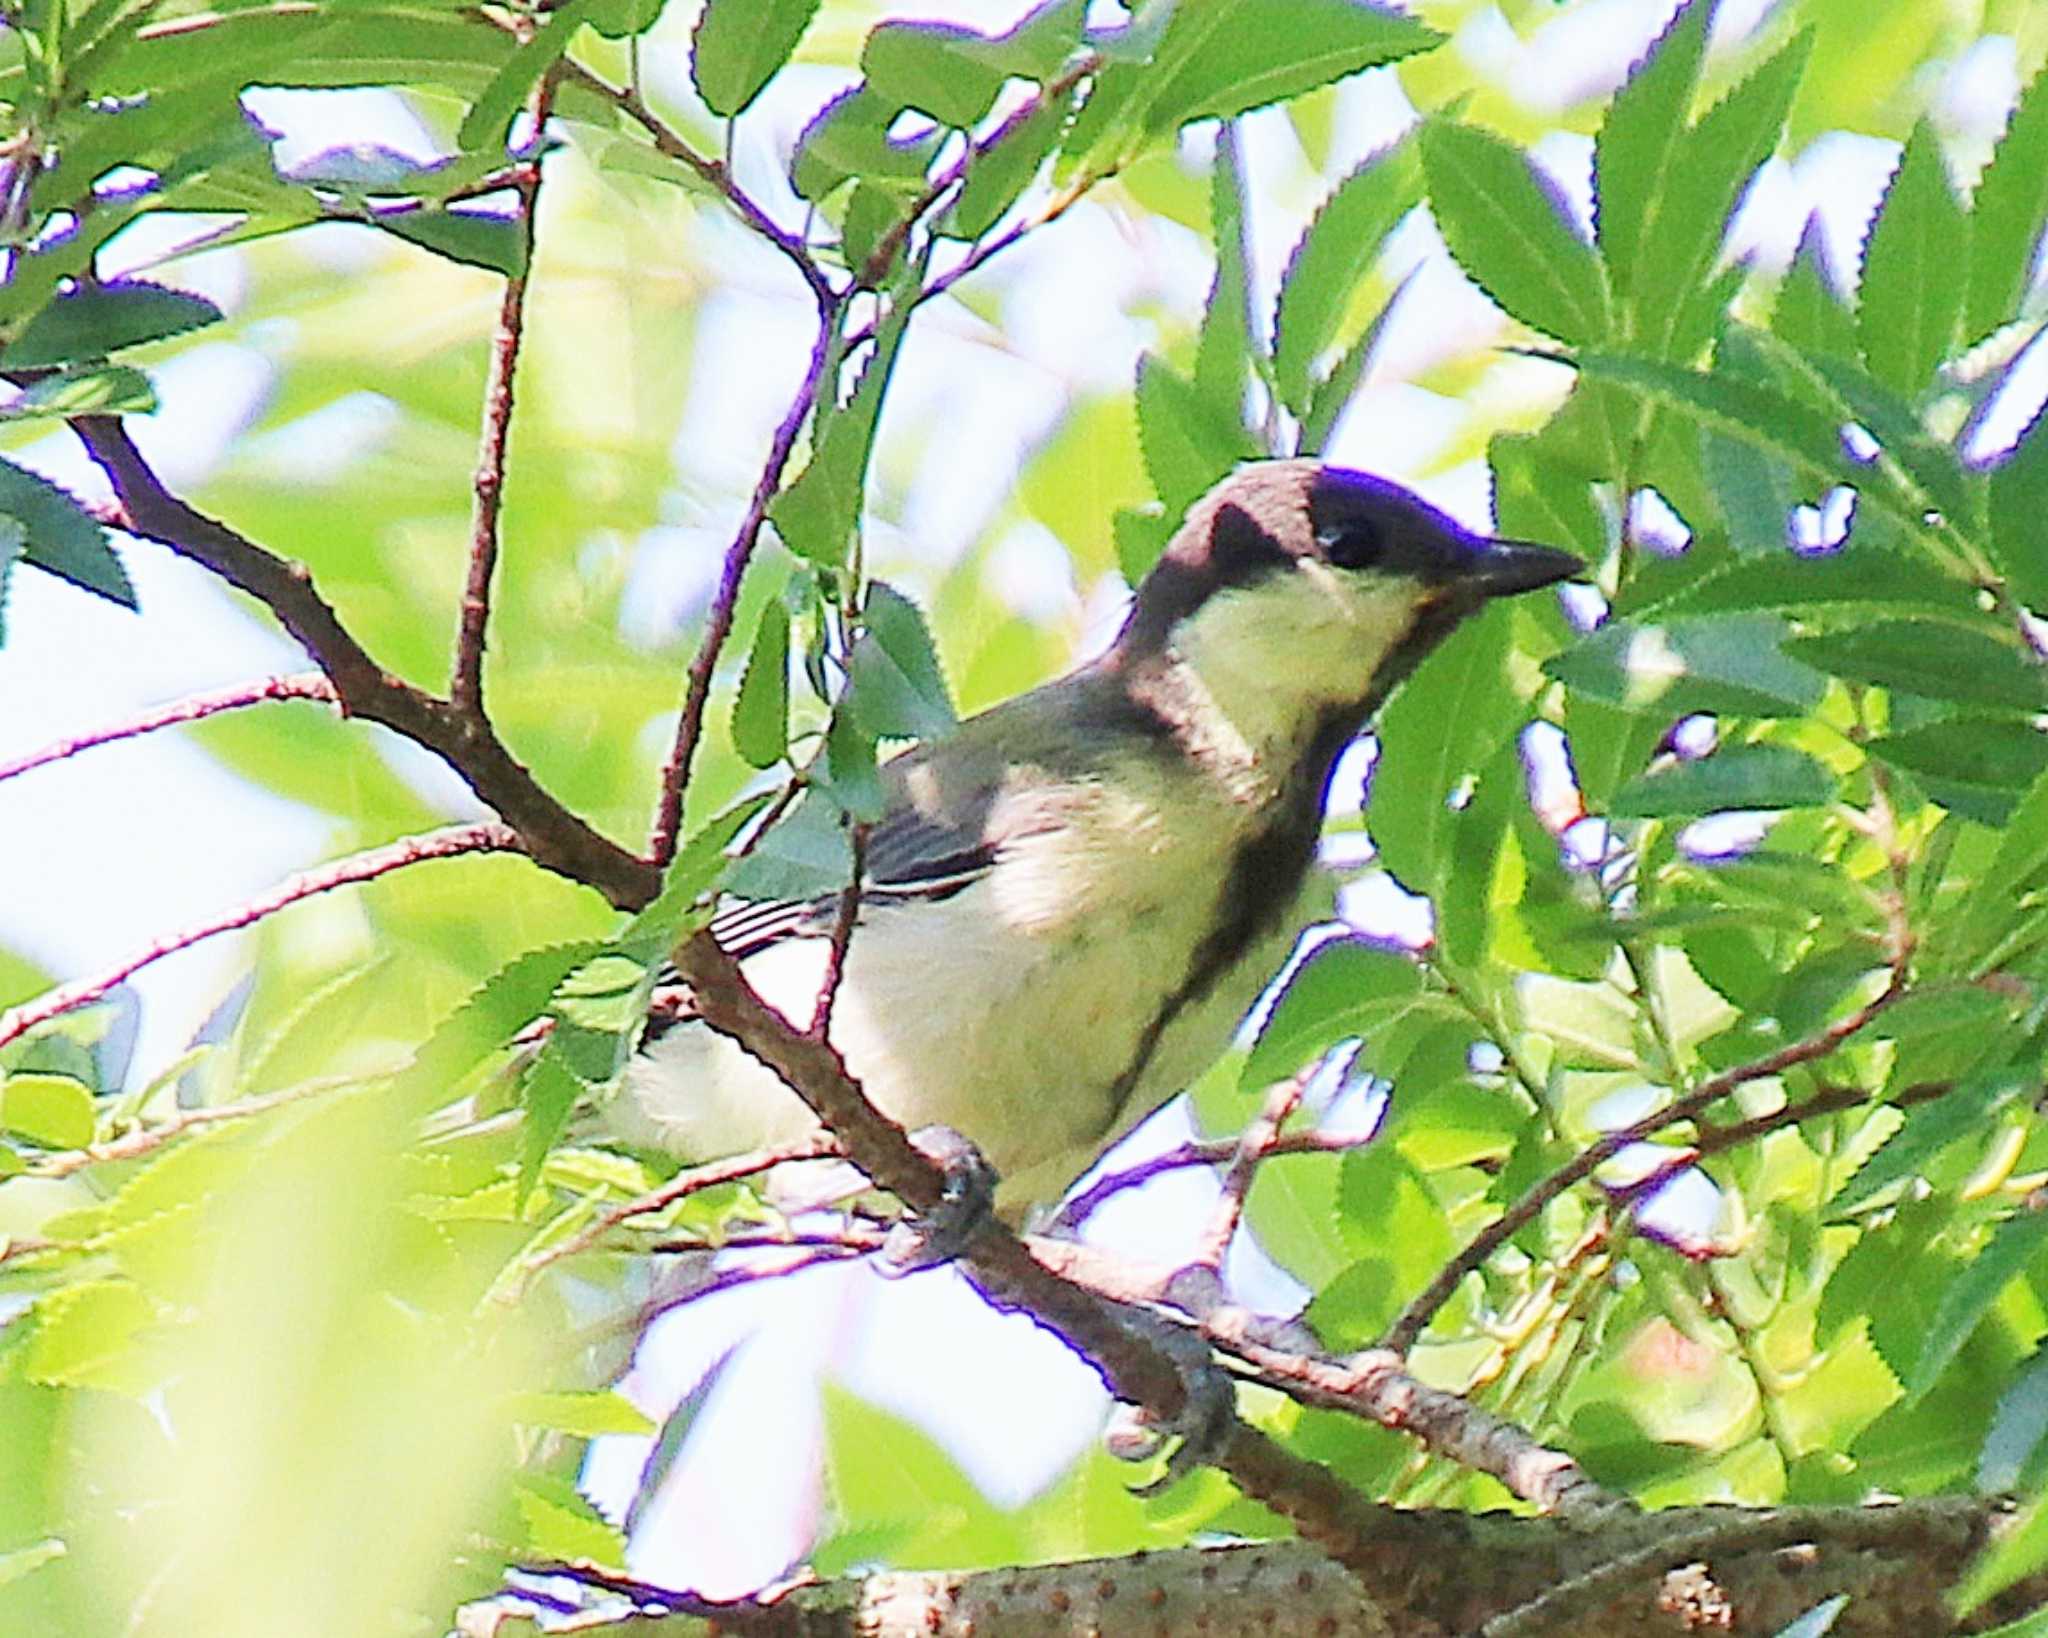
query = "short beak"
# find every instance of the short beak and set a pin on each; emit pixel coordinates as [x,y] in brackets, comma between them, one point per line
[1505,567]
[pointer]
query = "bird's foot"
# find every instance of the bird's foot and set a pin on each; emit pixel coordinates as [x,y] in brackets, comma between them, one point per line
[1207,1417]
[966,1203]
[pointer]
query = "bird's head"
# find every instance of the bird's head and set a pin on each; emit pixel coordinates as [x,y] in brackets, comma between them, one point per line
[1301,593]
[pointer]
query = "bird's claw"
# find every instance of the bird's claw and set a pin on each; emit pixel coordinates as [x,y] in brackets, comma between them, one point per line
[965,1203]
[1207,1416]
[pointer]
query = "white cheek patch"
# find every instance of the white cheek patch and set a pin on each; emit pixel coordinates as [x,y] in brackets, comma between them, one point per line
[1272,657]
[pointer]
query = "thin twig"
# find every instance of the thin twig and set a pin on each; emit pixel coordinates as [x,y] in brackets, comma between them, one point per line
[488,837]
[675,775]
[843,924]
[1212,1152]
[1401,1335]
[884,253]
[1256,1143]
[710,171]
[1831,1100]
[466,684]
[985,252]
[554,837]
[817,1146]
[302,685]
[146,1140]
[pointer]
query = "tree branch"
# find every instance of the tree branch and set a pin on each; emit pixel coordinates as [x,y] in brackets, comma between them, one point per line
[675,774]
[552,835]
[1319,1505]
[1080,1207]
[1413,1319]
[303,685]
[466,683]
[363,867]
[710,171]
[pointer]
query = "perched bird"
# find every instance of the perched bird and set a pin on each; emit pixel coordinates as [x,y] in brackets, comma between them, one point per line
[1071,902]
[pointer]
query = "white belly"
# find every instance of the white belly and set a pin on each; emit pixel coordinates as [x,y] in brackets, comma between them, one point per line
[1017,1037]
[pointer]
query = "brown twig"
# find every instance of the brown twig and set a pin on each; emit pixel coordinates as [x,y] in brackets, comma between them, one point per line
[555,838]
[1138,1370]
[362,867]
[710,171]
[303,685]
[466,682]
[1831,1100]
[985,252]
[675,774]
[146,1140]
[1257,1142]
[1402,1334]
[1211,1152]
[886,247]
[817,1146]
[843,924]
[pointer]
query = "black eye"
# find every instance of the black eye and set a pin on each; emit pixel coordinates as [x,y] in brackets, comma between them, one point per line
[1353,544]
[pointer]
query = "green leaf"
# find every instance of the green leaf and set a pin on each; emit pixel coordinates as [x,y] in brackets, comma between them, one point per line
[52,1110]
[1674,299]
[1915,271]
[897,688]
[111,389]
[1188,447]
[2022,854]
[561,1525]
[1636,150]
[1336,252]
[1969,1297]
[1926,1133]
[1978,766]
[1441,732]
[586,1415]
[1937,659]
[1771,422]
[848,773]
[13,539]
[1729,663]
[849,137]
[2007,215]
[94,320]
[2019,513]
[485,1022]
[738,45]
[1330,396]
[934,68]
[1346,987]
[489,120]
[816,514]
[60,537]
[953,73]
[760,711]
[476,238]
[1744,777]
[999,172]
[1216,61]
[1810,314]
[1538,498]
[84,1335]
[1510,235]
[1223,349]
[1141,536]
[26,1560]
[1856,574]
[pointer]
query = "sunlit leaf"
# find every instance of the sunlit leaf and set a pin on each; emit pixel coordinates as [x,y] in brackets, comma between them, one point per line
[1509,232]
[2007,215]
[738,46]
[1735,777]
[1915,270]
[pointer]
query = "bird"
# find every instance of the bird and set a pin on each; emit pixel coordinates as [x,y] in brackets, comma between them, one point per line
[1071,902]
